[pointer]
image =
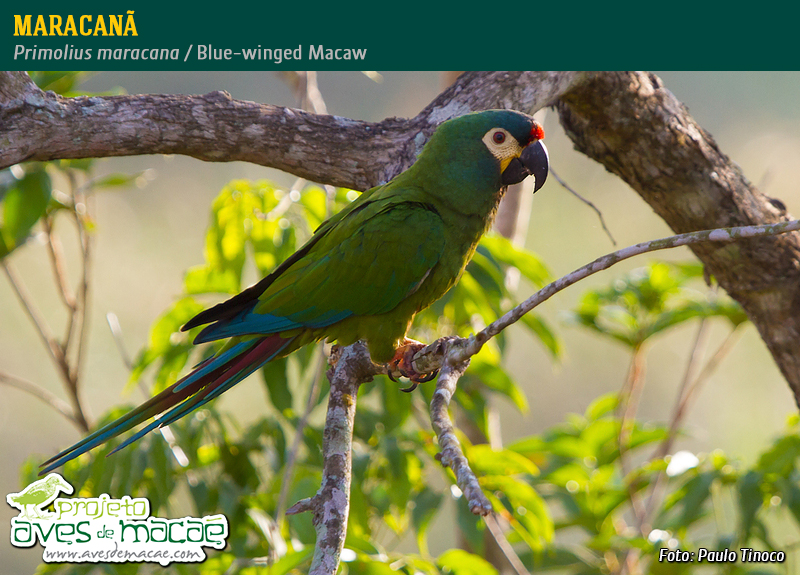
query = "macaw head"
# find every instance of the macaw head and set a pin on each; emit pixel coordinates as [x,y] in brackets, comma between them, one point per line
[480,153]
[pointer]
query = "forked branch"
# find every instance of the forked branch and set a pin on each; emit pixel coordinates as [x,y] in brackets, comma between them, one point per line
[451,356]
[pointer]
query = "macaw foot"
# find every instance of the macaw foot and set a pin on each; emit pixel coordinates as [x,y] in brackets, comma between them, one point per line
[402,363]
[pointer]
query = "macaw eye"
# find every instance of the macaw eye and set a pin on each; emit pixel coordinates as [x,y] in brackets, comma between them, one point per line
[499,137]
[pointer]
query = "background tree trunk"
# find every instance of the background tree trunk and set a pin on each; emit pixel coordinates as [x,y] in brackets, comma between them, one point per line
[639,131]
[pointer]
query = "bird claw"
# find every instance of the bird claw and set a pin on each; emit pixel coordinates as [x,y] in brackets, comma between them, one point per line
[420,378]
[426,377]
[402,363]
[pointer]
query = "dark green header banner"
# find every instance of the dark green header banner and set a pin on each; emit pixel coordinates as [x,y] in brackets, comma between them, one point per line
[407,36]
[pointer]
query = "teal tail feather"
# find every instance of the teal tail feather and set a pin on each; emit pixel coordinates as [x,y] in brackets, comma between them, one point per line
[208,380]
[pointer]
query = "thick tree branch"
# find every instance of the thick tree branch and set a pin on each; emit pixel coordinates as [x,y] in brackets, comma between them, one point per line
[451,455]
[638,130]
[35,125]
[17,86]
[351,366]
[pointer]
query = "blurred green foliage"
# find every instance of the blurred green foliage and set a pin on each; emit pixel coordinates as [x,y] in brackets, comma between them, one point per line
[649,301]
[565,499]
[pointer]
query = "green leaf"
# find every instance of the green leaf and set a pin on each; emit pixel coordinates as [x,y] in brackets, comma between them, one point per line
[24,202]
[750,500]
[365,565]
[526,505]
[485,367]
[790,496]
[528,264]
[649,301]
[63,82]
[599,439]
[166,344]
[206,279]
[545,334]
[689,501]
[531,446]
[315,200]
[116,180]
[488,275]
[397,406]
[603,405]
[557,558]
[358,522]
[646,434]
[780,459]
[362,545]
[426,505]
[460,562]
[488,461]
[171,322]
[82,165]
[471,527]
[278,385]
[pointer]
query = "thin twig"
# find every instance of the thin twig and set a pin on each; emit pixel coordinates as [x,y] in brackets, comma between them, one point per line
[78,317]
[587,202]
[57,350]
[50,342]
[698,348]
[83,290]
[688,391]
[39,323]
[629,404]
[706,372]
[116,333]
[301,506]
[313,95]
[691,390]
[631,565]
[31,388]
[502,542]
[644,523]
[57,261]
[429,358]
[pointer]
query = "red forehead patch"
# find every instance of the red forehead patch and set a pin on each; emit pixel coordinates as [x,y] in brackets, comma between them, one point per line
[537,132]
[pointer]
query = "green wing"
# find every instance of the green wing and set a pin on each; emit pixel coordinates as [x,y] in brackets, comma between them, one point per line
[366,265]
[364,262]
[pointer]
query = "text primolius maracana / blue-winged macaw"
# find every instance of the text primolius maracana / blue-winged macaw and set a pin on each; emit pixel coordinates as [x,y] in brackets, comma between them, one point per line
[366,271]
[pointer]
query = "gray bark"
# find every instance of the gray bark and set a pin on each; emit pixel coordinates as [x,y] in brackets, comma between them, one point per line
[35,125]
[638,130]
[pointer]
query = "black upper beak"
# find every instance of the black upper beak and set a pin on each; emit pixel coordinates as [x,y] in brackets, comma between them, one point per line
[534,161]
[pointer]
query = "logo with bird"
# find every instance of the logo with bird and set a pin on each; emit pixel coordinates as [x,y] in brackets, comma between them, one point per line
[33,500]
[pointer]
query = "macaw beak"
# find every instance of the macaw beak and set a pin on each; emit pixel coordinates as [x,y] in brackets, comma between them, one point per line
[533,161]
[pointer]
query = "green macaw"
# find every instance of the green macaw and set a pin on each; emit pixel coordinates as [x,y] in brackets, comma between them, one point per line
[366,271]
